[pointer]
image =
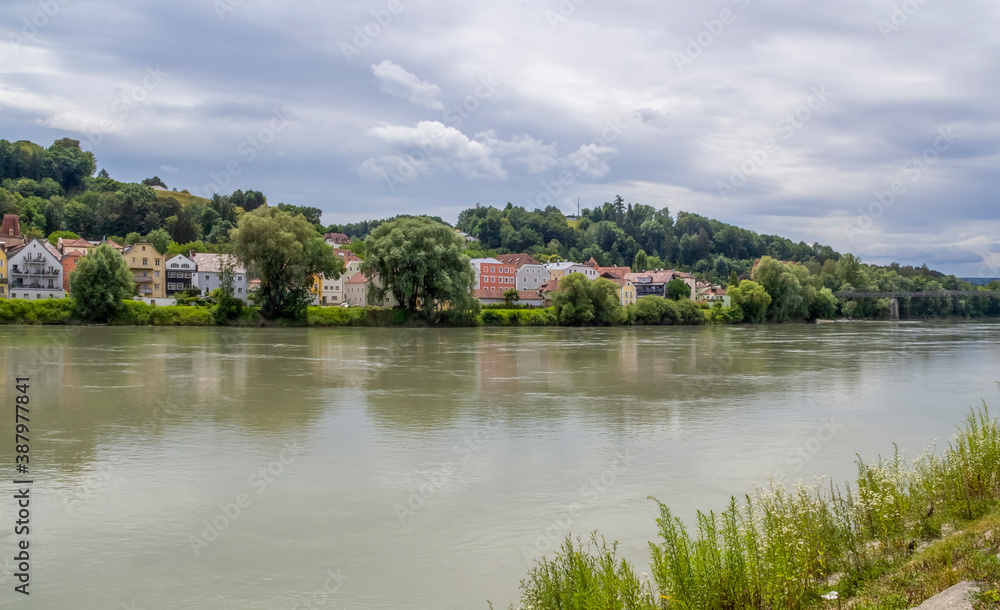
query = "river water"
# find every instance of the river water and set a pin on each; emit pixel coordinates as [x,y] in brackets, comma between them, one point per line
[426,468]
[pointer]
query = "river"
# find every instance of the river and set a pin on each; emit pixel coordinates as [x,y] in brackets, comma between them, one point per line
[424,468]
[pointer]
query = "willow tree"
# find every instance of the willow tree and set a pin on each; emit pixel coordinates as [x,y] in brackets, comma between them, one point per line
[283,251]
[419,261]
[100,283]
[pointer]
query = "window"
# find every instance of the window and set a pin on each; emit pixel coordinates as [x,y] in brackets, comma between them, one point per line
[173,265]
[157,262]
[206,278]
[239,290]
[145,262]
[156,286]
[156,274]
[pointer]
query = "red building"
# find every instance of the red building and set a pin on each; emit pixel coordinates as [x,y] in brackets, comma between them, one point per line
[491,274]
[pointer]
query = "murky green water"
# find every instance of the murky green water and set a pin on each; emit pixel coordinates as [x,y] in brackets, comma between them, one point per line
[379,468]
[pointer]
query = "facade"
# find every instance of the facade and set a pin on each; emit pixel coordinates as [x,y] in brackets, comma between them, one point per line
[208,275]
[147,266]
[712,294]
[558,271]
[331,291]
[35,272]
[3,272]
[356,292]
[10,232]
[529,274]
[180,274]
[655,282]
[626,289]
[493,274]
[74,246]
[620,272]
[69,263]
[493,297]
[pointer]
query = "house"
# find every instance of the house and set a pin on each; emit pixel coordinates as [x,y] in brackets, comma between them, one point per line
[492,274]
[180,274]
[3,272]
[330,291]
[356,292]
[208,274]
[146,264]
[69,263]
[35,271]
[626,289]
[546,292]
[655,282]
[712,294]
[74,246]
[529,274]
[493,297]
[336,239]
[620,272]
[468,238]
[10,232]
[558,271]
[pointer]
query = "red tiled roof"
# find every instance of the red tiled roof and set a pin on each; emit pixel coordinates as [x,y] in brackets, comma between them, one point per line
[359,278]
[11,226]
[592,263]
[518,260]
[550,286]
[337,238]
[621,272]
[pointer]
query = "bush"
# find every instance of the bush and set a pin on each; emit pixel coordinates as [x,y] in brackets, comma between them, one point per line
[517,317]
[46,311]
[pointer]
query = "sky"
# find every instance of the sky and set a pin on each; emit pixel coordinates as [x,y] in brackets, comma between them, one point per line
[868,125]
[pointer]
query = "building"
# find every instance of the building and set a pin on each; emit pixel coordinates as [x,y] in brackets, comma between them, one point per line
[620,272]
[492,274]
[655,283]
[529,274]
[146,264]
[493,297]
[69,263]
[330,291]
[3,272]
[10,232]
[35,272]
[180,274]
[558,271]
[468,238]
[626,289]
[711,294]
[356,292]
[208,274]
[74,246]
[336,239]
[546,291]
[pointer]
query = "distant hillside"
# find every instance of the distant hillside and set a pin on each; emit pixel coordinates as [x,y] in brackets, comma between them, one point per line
[182,197]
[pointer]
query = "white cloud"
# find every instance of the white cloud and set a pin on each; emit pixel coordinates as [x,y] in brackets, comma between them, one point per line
[592,159]
[400,83]
[415,150]
[536,155]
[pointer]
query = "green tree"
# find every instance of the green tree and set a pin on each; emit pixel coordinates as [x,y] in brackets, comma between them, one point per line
[56,235]
[101,281]
[229,307]
[420,262]
[581,301]
[283,251]
[160,240]
[510,296]
[641,262]
[752,300]
[132,238]
[734,279]
[678,290]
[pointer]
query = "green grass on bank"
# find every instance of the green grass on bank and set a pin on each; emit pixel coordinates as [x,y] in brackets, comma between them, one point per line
[881,543]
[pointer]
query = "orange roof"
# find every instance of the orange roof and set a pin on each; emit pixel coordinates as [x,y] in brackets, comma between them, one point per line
[617,271]
[550,286]
[518,260]
[592,263]
[359,278]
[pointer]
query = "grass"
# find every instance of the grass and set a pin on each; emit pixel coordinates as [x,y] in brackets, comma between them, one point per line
[782,547]
[185,199]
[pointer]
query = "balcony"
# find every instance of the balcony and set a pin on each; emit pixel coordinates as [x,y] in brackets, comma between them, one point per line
[20,285]
[143,279]
[34,270]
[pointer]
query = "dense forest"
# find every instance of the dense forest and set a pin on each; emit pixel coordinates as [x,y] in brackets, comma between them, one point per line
[56,194]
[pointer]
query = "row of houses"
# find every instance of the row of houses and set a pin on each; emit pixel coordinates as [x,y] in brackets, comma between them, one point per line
[33,269]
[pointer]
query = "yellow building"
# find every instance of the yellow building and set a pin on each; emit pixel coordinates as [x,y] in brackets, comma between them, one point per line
[3,273]
[316,287]
[147,266]
[626,289]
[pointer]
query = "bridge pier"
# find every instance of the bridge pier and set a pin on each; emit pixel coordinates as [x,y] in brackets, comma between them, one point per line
[894,309]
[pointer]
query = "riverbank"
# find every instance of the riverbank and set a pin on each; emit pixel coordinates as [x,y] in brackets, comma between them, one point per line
[903,532]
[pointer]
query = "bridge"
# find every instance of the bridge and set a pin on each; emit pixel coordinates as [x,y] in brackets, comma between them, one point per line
[895,296]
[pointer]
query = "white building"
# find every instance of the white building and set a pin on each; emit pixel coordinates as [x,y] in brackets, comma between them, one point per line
[208,275]
[334,291]
[35,271]
[557,271]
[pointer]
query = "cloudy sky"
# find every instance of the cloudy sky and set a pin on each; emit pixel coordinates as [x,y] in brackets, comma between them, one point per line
[869,125]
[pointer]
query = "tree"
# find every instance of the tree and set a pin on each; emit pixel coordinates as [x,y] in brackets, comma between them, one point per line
[752,300]
[678,290]
[734,279]
[229,308]
[283,251]
[160,240]
[641,262]
[154,181]
[55,236]
[132,238]
[581,301]
[101,281]
[420,262]
[511,296]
